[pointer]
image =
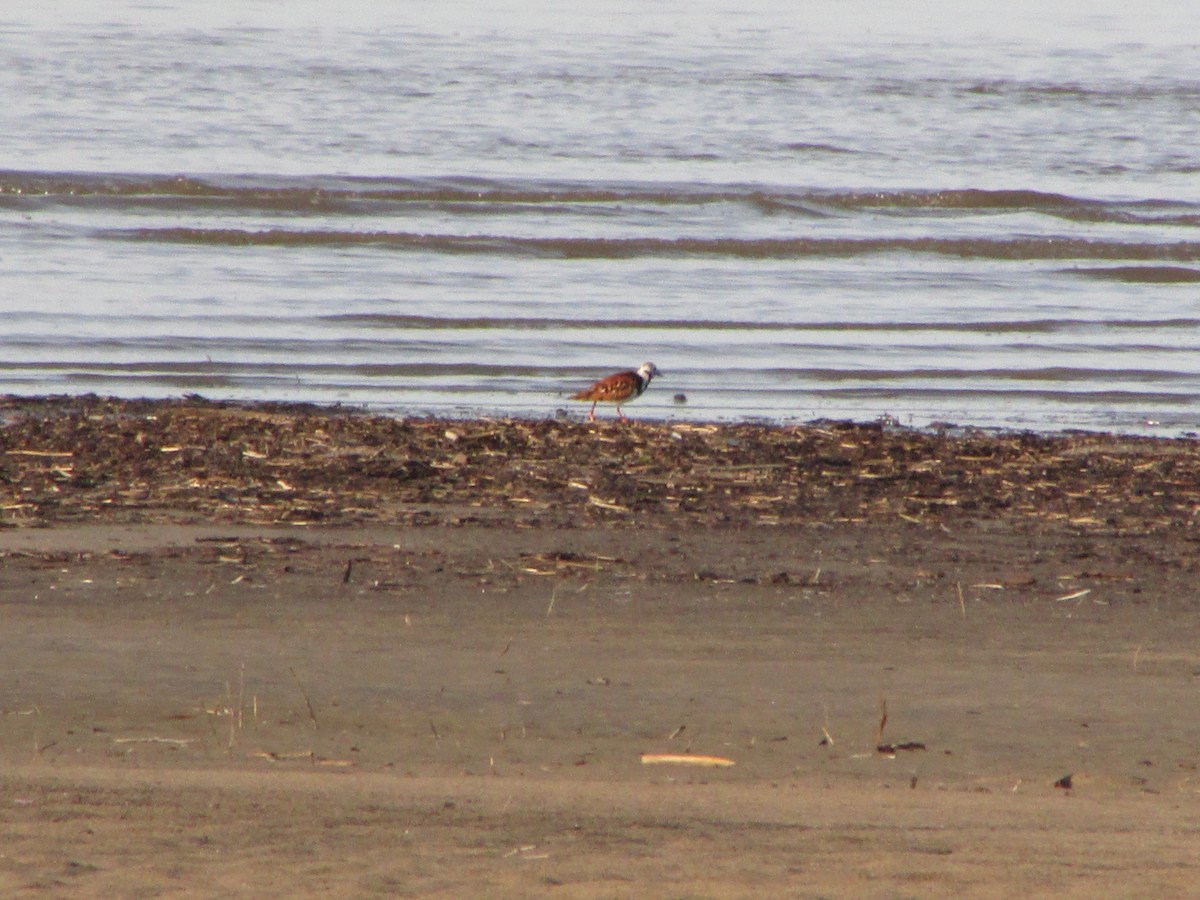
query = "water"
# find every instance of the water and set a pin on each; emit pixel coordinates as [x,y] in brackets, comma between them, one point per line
[797,211]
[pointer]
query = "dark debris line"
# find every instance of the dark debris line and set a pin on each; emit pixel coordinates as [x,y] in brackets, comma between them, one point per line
[87,458]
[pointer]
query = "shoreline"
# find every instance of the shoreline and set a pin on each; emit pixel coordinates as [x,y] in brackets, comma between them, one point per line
[81,458]
[569,412]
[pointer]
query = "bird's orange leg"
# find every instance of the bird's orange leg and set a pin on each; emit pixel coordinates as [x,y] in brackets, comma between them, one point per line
[592,413]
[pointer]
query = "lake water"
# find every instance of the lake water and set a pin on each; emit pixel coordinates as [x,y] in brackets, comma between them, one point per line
[969,214]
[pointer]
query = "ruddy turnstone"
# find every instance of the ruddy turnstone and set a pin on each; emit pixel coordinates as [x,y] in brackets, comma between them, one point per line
[618,389]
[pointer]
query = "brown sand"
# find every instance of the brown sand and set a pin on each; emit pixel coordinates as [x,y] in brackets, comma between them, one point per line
[293,652]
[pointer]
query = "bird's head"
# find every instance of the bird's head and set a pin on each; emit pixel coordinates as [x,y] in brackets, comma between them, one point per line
[648,370]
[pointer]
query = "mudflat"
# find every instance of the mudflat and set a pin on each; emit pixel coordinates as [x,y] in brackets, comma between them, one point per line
[295,651]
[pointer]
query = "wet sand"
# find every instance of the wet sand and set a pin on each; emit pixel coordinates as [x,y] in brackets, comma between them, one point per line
[315,653]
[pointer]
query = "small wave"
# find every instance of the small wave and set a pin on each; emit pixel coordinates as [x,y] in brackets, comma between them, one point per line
[256,191]
[1025,248]
[1061,206]
[967,198]
[806,147]
[144,325]
[998,399]
[958,375]
[1141,274]
[1016,326]
[1108,93]
[331,371]
[364,195]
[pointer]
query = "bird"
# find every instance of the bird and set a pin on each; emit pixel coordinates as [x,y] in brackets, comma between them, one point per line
[618,388]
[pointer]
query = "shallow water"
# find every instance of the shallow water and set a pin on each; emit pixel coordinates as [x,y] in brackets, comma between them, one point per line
[980,219]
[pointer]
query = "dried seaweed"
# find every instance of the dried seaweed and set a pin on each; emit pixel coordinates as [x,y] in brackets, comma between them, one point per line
[65,459]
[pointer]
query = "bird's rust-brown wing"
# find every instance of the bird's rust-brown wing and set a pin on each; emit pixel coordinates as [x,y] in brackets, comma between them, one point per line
[613,389]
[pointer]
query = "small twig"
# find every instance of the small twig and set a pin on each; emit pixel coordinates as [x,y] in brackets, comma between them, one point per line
[825,727]
[828,740]
[179,742]
[312,715]
[553,597]
[604,504]
[1078,595]
[686,759]
[962,604]
[241,693]
[232,717]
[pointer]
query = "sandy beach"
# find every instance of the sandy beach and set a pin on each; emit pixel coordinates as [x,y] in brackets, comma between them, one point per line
[300,651]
